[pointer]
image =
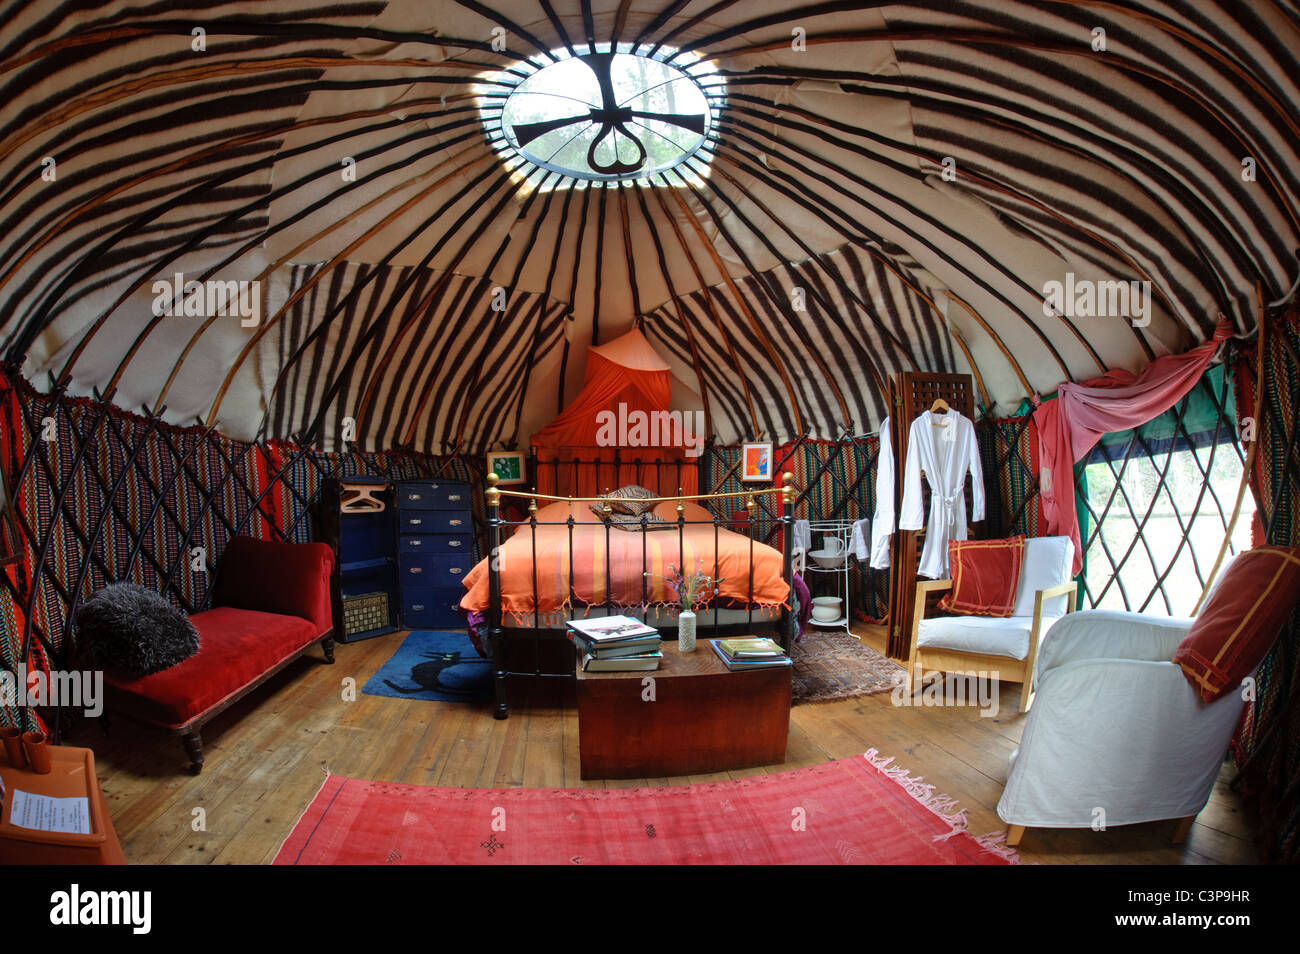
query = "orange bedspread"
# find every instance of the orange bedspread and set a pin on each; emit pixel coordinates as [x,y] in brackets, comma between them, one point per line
[515,560]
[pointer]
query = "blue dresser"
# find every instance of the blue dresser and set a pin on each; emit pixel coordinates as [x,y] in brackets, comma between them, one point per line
[435,551]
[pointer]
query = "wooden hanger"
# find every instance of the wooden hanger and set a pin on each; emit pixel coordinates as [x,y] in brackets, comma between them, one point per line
[360,498]
[939,406]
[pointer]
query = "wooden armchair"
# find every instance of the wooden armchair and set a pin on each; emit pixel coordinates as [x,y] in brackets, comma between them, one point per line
[1003,646]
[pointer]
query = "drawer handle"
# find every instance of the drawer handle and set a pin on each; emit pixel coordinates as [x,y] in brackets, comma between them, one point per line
[417,606]
[453,496]
[454,523]
[415,521]
[415,543]
[456,569]
[453,543]
[417,569]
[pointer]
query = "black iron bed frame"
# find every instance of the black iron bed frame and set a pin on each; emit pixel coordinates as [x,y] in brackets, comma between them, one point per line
[498,635]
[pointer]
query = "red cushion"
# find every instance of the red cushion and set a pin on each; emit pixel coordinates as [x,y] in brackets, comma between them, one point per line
[289,578]
[984,576]
[235,648]
[1251,604]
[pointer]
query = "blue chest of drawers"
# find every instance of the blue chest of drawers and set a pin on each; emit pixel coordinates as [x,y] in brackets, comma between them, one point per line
[435,551]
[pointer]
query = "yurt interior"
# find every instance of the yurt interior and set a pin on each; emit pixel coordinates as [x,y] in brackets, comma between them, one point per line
[492,432]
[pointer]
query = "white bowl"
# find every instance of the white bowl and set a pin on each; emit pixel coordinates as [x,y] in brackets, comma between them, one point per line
[826,609]
[828,560]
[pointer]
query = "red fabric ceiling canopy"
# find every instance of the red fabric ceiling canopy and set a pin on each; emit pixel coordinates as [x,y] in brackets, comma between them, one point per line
[625,378]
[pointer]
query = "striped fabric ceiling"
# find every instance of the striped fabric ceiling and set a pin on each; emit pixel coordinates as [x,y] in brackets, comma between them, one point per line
[886,187]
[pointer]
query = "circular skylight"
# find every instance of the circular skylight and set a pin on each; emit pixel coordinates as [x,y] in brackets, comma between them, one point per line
[606,115]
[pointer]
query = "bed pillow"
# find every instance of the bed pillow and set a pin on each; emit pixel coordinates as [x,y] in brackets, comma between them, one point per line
[1248,608]
[692,512]
[625,521]
[630,498]
[984,576]
[134,632]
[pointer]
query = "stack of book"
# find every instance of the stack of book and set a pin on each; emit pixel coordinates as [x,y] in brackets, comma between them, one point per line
[616,644]
[750,652]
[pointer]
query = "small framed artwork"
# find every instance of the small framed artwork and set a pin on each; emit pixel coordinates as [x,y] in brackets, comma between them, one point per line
[509,466]
[756,462]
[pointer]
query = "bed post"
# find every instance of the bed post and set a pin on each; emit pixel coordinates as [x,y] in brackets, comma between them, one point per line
[788,621]
[496,635]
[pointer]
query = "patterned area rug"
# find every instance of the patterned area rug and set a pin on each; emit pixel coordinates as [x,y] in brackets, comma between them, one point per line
[431,665]
[861,810]
[833,665]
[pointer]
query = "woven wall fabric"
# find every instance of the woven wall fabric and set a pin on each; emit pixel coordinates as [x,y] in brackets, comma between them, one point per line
[836,481]
[1268,746]
[103,496]
[1009,455]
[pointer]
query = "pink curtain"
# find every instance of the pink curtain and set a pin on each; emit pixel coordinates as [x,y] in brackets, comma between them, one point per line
[1070,426]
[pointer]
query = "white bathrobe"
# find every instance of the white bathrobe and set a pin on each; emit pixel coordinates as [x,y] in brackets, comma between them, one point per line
[882,527]
[945,452]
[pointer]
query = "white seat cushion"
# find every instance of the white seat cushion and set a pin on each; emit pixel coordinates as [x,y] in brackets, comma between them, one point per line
[1047,562]
[992,636]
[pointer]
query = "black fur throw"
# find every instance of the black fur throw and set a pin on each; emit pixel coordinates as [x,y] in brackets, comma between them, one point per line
[127,629]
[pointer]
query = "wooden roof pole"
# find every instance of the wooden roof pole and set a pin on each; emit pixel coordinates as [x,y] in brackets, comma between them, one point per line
[61,226]
[265,274]
[677,307]
[332,263]
[708,303]
[744,309]
[979,379]
[1066,221]
[125,90]
[1024,381]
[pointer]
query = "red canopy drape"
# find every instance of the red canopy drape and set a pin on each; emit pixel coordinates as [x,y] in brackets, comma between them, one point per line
[626,378]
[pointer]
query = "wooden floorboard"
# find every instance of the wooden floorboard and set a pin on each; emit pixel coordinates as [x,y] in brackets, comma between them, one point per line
[267,756]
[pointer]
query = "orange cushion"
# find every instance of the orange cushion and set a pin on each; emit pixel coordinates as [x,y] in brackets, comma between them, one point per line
[984,576]
[1237,626]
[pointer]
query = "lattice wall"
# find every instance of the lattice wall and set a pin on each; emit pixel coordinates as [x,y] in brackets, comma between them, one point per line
[1009,457]
[836,481]
[103,495]
[1268,751]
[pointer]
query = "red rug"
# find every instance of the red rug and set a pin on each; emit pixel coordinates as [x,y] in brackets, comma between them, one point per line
[851,811]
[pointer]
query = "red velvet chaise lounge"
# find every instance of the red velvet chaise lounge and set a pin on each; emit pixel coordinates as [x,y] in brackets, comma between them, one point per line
[270,603]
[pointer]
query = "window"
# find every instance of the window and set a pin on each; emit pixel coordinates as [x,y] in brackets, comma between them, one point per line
[1157,501]
[608,115]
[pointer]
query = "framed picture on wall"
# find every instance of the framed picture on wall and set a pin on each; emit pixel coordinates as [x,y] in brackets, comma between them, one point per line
[756,462]
[509,466]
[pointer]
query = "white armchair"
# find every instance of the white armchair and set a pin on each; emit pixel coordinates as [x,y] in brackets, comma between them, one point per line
[1005,646]
[1117,728]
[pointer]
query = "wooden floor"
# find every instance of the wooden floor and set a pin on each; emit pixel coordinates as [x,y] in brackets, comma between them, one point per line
[267,757]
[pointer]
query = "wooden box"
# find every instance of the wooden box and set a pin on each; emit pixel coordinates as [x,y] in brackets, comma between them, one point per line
[702,718]
[365,612]
[72,775]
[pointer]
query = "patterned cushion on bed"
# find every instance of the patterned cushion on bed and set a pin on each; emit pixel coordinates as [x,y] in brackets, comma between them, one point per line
[626,521]
[632,522]
[629,499]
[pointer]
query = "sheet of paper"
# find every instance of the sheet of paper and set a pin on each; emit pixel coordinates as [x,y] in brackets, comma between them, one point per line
[44,813]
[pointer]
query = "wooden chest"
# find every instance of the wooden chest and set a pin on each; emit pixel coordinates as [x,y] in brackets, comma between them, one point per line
[692,716]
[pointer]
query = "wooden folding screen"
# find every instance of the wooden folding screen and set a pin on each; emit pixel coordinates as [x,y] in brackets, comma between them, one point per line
[911,393]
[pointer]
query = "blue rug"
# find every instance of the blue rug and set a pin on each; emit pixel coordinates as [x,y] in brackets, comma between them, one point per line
[433,666]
